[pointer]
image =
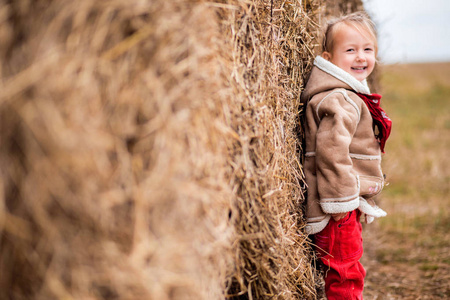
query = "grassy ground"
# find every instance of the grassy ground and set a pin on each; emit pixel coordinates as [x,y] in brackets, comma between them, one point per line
[407,253]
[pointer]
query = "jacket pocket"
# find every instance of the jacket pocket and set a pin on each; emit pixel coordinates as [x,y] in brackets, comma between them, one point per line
[370,186]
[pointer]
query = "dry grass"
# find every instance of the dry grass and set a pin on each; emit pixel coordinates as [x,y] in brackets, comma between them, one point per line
[150,150]
[102,119]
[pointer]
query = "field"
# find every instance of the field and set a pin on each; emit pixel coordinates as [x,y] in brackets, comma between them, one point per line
[407,253]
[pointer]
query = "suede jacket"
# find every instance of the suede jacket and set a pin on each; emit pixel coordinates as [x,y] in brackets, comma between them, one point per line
[343,157]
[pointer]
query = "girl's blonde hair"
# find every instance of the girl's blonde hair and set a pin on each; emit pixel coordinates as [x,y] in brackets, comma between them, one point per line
[359,20]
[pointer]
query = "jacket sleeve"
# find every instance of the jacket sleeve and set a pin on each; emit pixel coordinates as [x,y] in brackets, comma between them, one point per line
[338,185]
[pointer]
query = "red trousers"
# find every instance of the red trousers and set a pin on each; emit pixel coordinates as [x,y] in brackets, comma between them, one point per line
[339,247]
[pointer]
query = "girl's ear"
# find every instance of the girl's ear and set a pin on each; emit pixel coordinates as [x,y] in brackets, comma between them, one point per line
[326,55]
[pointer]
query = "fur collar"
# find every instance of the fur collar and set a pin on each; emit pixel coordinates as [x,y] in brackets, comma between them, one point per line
[335,71]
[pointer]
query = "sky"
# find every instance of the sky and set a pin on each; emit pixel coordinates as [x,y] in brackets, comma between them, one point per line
[411,31]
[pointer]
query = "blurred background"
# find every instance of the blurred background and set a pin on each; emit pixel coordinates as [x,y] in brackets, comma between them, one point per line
[408,252]
[412,31]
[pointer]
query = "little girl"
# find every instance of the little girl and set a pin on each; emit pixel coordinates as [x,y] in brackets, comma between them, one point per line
[346,131]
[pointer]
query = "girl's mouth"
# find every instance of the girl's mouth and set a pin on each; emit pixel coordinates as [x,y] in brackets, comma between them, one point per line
[359,68]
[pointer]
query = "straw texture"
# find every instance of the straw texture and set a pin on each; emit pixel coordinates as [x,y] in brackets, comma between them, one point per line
[151,149]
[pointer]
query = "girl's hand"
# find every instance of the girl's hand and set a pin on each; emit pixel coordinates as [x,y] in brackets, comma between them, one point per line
[338,217]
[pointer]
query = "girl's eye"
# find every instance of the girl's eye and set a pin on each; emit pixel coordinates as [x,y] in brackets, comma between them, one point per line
[368,49]
[350,50]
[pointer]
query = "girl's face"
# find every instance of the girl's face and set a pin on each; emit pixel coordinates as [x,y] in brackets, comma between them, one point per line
[353,51]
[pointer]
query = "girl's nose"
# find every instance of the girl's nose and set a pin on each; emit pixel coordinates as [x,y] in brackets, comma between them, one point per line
[360,57]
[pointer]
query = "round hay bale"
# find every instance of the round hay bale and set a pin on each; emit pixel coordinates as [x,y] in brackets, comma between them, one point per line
[151,149]
[114,167]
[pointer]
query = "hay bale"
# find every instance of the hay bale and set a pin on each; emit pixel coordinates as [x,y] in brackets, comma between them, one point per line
[338,7]
[114,169]
[273,50]
[151,149]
